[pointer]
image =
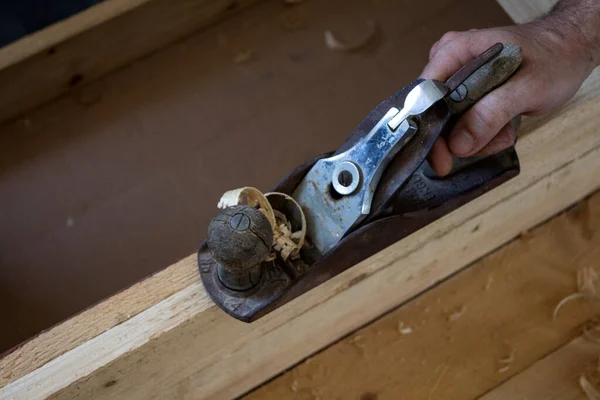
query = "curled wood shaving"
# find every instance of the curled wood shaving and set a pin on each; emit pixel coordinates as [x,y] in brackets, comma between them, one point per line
[404,330]
[288,243]
[586,289]
[507,361]
[285,242]
[457,314]
[339,45]
[591,331]
[251,197]
[565,300]
[589,380]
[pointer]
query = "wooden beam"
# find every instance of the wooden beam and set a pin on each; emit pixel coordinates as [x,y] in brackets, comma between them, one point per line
[181,344]
[525,11]
[94,42]
[555,376]
[472,332]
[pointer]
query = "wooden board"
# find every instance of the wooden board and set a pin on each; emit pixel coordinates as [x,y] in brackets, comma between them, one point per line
[525,11]
[90,44]
[183,345]
[450,341]
[555,376]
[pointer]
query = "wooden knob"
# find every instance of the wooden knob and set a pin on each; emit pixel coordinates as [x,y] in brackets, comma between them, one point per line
[240,239]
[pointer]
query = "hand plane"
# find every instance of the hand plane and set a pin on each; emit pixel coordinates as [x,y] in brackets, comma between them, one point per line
[332,212]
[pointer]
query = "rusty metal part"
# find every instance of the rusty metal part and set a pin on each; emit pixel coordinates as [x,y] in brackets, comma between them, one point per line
[408,197]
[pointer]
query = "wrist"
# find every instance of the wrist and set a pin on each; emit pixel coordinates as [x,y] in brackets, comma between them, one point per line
[577,25]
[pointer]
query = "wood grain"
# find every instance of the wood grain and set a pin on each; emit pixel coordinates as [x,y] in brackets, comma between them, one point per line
[525,11]
[555,376]
[96,320]
[60,31]
[91,44]
[450,341]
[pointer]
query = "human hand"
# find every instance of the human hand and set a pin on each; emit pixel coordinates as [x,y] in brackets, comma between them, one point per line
[556,60]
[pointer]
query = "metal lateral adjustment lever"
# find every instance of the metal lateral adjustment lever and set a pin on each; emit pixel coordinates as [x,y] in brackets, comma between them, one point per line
[376,189]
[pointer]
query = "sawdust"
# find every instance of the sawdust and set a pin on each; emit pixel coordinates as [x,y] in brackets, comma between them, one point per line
[488,283]
[457,314]
[586,289]
[335,44]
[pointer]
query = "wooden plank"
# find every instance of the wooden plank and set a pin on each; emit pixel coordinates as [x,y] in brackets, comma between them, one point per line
[553,377]
[185,346]
[60,31]
[525,11]
[92,322]
[457,334]
[95,42]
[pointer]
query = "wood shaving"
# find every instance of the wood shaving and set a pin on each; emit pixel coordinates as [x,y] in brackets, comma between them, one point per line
[586,289]
[507,361]
[285,242]
[404,330]
[358,341]
[589,382]
[242,56]
[288,243]
[457,314]
[489,282]
[503,369]
[294,386]
[591,331]
[251,197]
[335,44]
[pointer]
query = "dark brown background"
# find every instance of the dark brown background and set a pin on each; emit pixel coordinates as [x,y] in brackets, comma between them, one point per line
[120,179]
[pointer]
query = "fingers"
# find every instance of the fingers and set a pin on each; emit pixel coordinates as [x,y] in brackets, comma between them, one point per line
[478,126]
[503,140]
[440,158]
[450,53]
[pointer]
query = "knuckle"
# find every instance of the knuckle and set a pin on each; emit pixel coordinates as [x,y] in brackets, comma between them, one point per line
[434,49]
[486,122]
[449,36]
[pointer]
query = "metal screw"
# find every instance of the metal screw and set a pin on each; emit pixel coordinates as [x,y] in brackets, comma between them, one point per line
[345,178]
[459,94]
[240,222]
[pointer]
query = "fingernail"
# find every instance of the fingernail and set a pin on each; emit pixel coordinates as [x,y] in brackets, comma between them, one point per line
[462,142]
